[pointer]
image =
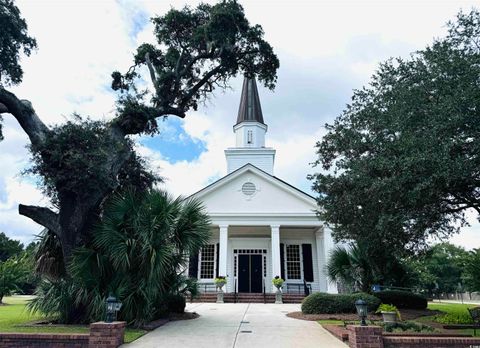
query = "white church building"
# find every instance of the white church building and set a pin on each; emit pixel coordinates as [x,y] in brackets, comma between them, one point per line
[262,226]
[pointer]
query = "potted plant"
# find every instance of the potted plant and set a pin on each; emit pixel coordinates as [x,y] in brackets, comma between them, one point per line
[278,283]
[220,281]
[389,312]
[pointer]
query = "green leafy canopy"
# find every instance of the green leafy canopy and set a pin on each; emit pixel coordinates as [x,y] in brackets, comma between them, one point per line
[72,161]
[199,49]
[13,41]
[401,162]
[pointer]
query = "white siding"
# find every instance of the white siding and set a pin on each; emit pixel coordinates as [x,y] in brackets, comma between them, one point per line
[260,158]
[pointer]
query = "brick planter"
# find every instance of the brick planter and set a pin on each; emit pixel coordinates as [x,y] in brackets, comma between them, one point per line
[102,335]
[106,335]
[34,340]
[372,337]
[430,342]
[365,336]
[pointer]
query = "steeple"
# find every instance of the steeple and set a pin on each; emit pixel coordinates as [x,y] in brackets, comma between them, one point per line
[250,108]
[250,131]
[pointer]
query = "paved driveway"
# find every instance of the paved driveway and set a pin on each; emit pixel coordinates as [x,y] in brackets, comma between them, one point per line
[240,325]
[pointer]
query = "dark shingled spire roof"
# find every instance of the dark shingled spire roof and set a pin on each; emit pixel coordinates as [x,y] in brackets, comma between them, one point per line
[250,109]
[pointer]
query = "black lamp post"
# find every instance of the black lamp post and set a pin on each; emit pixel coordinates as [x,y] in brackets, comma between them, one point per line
[362,311]
[113,306]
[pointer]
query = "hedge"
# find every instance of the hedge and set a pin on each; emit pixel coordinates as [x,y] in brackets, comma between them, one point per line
[402,299]
[323,303]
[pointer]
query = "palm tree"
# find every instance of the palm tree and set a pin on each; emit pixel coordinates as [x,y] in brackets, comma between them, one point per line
[351,266]
[139,253]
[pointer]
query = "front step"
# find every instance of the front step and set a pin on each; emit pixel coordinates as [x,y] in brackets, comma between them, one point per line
[249,298]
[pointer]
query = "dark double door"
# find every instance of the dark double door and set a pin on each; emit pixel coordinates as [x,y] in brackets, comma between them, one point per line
[250,273]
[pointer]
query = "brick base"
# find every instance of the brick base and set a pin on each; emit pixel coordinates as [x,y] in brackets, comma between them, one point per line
[365,336]
[106,335]
[431,342]
[372,337]
[102,335]
[34,340]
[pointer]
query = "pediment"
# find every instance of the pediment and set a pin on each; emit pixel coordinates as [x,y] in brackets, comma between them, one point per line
[250,190]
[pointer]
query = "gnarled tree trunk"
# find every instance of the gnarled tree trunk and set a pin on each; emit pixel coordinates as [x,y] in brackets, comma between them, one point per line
[76,212]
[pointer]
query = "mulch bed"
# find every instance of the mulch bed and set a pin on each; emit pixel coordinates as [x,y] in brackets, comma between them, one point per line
[407,314]
[335,316]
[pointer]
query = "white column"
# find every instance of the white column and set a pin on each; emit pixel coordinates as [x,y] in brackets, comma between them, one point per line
[322,260]
[276,269]
[222,257]
[328,247]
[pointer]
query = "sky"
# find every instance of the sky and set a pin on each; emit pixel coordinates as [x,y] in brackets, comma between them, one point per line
[326,50]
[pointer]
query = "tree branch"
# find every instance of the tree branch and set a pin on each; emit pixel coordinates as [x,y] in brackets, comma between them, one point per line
[151,70]
[23,111]
[3,108]
[193,61]
[199,84]
[42,216]
[127,124]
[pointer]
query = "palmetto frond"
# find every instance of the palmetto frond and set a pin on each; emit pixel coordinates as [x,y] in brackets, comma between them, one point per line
[339,266]
[351,266]
[139,252]
[49,256]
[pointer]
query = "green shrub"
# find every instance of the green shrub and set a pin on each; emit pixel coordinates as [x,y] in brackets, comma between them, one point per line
[402,299]
[323,303]
[454,318]
[407,326]
[176,303]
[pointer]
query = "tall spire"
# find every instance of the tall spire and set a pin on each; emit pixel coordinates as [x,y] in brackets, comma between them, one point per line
[250,133]
[250,109]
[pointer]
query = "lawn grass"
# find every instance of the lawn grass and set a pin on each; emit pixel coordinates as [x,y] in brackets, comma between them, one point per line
[455,313]
[14,316]
[330,322]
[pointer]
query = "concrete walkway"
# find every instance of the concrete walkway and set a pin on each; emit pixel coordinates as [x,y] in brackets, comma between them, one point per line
[240,325]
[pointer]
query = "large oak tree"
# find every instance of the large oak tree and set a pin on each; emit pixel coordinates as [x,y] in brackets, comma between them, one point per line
[402,162]
[81,163]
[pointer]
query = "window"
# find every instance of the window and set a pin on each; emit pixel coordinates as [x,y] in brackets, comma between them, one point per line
[249,137]
[207,262]
[293,262]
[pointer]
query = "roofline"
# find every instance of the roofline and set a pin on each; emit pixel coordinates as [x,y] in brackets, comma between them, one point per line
[213,183]
[264,172]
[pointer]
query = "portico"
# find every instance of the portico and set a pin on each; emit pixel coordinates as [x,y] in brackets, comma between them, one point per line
[252,254]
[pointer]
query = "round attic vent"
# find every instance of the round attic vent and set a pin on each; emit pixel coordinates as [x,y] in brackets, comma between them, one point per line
[248,189]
